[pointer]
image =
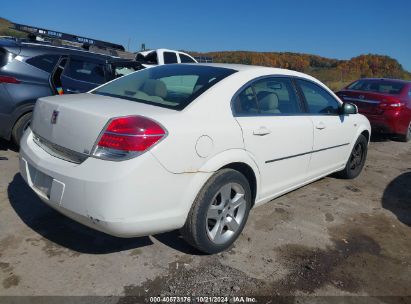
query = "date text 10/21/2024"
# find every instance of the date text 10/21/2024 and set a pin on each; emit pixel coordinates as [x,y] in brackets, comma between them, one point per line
[203,299]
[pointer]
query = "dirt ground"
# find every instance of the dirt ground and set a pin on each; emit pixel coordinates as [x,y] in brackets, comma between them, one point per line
[330,238]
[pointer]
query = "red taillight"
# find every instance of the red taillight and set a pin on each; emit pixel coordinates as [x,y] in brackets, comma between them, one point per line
[8,79]
[130,134]
[391,105]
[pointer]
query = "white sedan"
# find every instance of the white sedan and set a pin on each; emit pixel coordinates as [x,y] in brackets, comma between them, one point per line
[188,146]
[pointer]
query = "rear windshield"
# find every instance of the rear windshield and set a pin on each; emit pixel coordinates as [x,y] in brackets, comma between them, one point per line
[378,86]
[169,86]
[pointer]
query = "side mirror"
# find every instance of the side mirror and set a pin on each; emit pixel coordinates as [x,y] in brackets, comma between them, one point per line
[349,108]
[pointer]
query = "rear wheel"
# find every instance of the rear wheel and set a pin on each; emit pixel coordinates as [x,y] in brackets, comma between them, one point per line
[356,160]
[406,137]
[19,127]
[219,212]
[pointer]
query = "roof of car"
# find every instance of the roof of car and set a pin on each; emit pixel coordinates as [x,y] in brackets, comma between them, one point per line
[387,79]
[42,47]
[64,49]
[257,68]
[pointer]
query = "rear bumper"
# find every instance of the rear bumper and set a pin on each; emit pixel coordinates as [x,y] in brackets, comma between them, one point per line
[395,122]
[126,199]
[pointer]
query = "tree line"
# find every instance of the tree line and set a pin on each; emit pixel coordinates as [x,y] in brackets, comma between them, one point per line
[335,73]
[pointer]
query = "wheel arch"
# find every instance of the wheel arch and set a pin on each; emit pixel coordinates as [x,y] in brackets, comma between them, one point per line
[364,128]
[17,114]
[367,134]
[249,174]
[241,161]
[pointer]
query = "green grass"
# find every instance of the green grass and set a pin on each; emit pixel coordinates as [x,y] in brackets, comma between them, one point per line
[5,29]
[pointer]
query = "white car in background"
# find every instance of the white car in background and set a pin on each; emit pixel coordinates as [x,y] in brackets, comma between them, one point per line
[188,146]
[163,56]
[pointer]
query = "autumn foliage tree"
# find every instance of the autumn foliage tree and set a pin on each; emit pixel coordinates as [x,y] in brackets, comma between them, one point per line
[335,73]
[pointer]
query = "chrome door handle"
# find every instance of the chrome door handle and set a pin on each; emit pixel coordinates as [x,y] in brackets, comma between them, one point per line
[320,126]
[262,131]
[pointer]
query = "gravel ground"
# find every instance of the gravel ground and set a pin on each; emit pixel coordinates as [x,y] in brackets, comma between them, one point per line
[330,238]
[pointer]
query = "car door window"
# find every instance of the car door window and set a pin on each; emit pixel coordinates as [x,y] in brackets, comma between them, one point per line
[246,103]
[268,96]
[85,71]
[319,101]
[276,95]
[409,93]
[44,62]
[170,57]
[185,59]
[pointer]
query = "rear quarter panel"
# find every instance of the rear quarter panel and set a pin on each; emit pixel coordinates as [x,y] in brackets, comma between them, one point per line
[203,130]
[34,83]
[18,99]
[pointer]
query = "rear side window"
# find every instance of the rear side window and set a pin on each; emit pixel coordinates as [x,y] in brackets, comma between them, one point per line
[377,86]
[167,86]
[85,71]
[268,96]
[185,59]
[246,103]
[319,101]
[44,62]
[170,57]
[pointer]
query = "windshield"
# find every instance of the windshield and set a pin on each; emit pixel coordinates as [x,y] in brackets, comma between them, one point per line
[169,86]
[378,86]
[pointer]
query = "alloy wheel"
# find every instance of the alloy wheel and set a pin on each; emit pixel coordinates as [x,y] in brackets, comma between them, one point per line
[226,213]
[357,156]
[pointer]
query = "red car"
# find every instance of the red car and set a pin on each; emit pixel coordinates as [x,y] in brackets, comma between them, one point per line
[385,102]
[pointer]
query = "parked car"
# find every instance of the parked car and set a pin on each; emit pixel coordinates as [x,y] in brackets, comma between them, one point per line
[30,70]
[163,56]
[385,102]
[188,146]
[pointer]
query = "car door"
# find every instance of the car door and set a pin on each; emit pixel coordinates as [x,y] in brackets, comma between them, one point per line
[82,74]
[333,132]
[276,132]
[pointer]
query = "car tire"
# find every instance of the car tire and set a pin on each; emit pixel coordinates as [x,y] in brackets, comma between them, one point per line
[19,127]
[219,212]
[406,137]
[356,160]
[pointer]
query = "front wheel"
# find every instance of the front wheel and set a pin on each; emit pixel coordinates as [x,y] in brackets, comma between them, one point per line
[219,212]
[356,160]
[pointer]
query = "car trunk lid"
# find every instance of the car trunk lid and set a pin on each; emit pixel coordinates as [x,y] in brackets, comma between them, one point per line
[367,102]
[75,122]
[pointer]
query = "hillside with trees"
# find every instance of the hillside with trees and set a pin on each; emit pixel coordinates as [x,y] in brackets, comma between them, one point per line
[6,30]
[335,73]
